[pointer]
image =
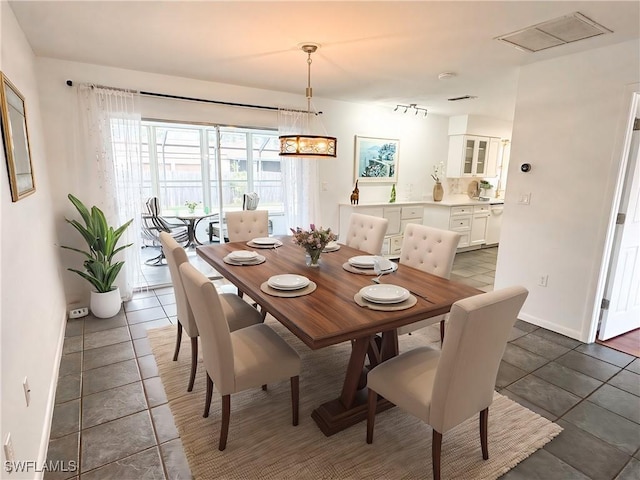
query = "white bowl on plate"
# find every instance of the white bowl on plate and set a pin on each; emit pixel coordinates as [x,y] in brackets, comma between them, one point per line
[362,261]
[384,293]
[288,281]
[265,241]
[243,255]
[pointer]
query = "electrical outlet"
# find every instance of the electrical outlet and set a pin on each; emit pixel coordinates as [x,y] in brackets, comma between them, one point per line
[543,280]
[9,454]
[27,390]
[79,312]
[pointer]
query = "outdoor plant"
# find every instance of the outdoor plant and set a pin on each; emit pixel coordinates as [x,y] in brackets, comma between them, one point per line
[100,268]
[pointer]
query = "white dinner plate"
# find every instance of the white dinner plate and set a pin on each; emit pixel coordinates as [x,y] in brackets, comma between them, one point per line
[243,255]
[265,241]
[362,261]
[331,247]
[384,293]
[288,281]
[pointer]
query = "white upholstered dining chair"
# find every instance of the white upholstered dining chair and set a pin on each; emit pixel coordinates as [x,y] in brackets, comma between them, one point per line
[431,250]
[238,313]
[366,232]
[445,387]
[245,225]
[239,360]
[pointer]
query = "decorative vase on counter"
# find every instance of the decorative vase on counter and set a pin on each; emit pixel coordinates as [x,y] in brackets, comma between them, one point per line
[392,199]
[438,192]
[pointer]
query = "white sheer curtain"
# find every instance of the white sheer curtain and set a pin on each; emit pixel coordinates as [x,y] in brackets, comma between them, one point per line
[299,176]
[109,144]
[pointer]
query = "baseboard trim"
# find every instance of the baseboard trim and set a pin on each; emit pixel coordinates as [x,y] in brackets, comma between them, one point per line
[575,334]
[46,430]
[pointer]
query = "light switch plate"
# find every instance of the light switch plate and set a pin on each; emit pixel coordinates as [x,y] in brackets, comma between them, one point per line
[524,199]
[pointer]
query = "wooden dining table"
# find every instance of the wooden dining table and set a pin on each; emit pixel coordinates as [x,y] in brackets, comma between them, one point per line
[329,315]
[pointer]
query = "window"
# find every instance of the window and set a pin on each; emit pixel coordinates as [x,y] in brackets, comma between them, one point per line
[211,165]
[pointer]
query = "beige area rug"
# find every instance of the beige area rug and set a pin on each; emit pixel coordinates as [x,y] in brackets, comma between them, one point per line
[263,444]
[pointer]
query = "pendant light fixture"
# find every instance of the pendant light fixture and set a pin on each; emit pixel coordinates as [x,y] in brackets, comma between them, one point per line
[305,144]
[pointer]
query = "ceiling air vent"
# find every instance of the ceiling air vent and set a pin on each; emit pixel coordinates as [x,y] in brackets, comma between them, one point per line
[464,97]
[553,33]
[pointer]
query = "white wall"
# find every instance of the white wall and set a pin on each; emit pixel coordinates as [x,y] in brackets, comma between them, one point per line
[423,141]
[33,303]
[569,120]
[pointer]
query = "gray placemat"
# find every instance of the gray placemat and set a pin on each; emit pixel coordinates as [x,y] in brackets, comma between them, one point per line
[288,293]
[386,307]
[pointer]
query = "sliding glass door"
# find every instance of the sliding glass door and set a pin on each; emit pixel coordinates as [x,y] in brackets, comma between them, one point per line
[212,166]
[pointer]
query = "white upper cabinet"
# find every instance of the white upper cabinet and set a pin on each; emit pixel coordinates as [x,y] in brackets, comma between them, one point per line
[472,156]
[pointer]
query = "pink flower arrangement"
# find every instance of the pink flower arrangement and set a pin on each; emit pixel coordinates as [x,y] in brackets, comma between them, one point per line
[313,240]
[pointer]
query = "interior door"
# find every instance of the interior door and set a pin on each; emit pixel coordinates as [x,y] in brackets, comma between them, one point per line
[623,281]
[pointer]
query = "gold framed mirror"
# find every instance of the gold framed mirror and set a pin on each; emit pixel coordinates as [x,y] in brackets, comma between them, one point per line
[16,140]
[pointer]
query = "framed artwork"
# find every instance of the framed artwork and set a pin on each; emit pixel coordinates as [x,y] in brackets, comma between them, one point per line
[16,140]
[376,159]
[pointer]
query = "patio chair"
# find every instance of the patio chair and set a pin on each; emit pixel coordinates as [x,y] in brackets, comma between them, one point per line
[153,224]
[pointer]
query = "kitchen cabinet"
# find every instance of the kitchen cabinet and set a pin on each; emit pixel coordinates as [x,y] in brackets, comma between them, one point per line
[471,221]
[479,222]
[398,214]
[472,156]
[494,224]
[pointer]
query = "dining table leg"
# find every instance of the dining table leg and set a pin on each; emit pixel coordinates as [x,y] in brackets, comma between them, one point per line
[351,407]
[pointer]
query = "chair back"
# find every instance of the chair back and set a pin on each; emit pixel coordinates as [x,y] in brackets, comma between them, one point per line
[215,337]
[153,207]
[250,201]
[366,232]
[176,256]
[429,249]
[476,338]
[247,224]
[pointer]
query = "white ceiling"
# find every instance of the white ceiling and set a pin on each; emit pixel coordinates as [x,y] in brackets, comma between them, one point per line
[383,52]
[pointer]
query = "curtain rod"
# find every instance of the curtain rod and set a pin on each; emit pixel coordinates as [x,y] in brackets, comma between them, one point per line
[202,100]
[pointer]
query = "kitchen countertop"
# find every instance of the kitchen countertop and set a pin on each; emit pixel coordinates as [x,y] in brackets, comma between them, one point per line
[447,201]
[457,200]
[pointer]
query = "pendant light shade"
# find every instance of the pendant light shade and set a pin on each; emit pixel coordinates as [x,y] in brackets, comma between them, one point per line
[307,146]
[304,144]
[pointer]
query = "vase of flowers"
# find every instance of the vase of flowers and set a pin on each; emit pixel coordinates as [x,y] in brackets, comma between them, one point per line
[313,241]
[191,206]
[438,191]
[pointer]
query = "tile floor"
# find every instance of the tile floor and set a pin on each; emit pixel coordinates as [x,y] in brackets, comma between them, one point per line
[111,414]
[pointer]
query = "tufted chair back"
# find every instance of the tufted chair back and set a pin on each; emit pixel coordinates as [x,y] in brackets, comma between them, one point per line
[429,249]
[247,224]
[366,232]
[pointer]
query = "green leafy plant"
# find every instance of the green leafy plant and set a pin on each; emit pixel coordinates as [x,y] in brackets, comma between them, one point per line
[100,269]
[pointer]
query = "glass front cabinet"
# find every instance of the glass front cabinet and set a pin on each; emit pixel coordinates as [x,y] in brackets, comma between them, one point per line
[472,156]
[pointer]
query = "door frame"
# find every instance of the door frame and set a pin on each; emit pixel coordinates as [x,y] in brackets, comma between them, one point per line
[632,98]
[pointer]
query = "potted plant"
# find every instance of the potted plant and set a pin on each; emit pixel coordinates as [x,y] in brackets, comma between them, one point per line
[100,268]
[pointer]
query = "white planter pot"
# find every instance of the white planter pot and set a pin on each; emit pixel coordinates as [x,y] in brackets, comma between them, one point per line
[106,305]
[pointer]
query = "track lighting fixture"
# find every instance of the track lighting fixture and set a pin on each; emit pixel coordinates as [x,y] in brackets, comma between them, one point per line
[411,106]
